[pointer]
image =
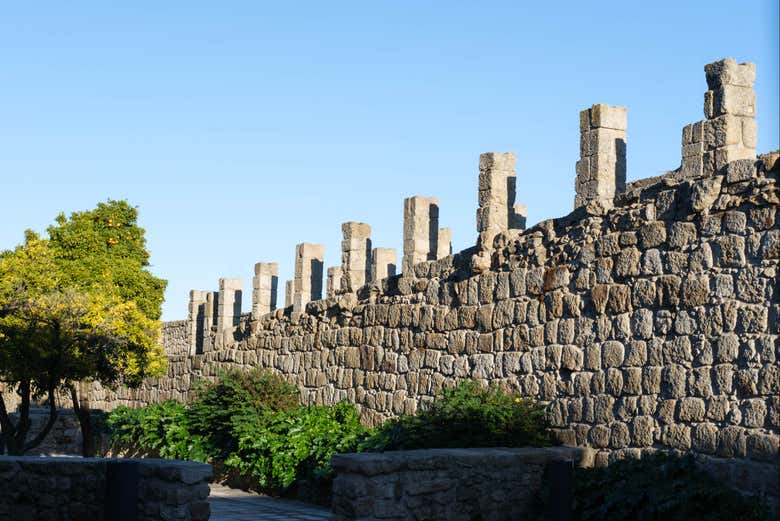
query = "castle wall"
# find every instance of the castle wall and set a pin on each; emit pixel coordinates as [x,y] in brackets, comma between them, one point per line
[653,325]
[647,318]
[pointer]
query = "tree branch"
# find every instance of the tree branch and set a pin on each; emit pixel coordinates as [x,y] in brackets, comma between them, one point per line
[75,399]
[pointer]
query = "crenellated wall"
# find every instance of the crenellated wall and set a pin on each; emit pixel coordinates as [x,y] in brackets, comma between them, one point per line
[652,325]
[647,318]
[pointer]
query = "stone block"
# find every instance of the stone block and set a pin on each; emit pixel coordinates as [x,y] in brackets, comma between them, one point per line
[355,255]
[608,116]
[601,170]
[383,263]
[613,353]
[421,231]
[264,288]
[690,409]
[754,412]
[642,431]
[729,72]
[762,447]
[704,438]
[307,285]
[731,442]
[228,303]
[677,437]
[444,243]
[334,279]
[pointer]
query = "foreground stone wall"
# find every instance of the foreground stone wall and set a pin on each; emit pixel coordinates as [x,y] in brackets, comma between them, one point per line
[498,484]
[75,488]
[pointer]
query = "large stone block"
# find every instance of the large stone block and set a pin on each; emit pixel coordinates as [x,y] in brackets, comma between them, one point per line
[601,170]
[307,285]
[355,255]
[421,231]
[264,288]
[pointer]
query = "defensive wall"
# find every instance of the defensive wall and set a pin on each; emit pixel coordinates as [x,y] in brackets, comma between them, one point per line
[647,318]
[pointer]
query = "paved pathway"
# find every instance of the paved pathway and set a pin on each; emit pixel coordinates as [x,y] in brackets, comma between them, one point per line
[229,504]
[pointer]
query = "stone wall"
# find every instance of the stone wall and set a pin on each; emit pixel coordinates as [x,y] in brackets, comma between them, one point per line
[654,324]
[648,318]
[64,437]
[498,484]
[76,488]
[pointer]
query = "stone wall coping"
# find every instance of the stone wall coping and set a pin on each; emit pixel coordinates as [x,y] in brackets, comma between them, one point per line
[374,463]
[170,470]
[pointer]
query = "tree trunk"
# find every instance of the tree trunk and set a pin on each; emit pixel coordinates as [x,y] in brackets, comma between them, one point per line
[49,423]
[6,427]
[15,435]
[81,408]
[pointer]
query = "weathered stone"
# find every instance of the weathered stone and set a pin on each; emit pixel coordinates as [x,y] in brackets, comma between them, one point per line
[613,354]
[652,234]
[754,413]
[627,263]
[695,291]
[676,437]
[704,438]
[690,409]
[729,251]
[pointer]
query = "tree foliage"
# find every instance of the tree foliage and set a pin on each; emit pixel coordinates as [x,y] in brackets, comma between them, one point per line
[105,250]
[77,306]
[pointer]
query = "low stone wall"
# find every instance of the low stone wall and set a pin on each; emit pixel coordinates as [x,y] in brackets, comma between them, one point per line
[756,479]
[64,437]
[487,483]
[76,488]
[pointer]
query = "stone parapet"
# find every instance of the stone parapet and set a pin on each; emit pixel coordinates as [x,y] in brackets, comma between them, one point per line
[355,255]
[601,170]
[383,263]
[228,303]
[307,285]
[443,484]
[333,283]
[421,231]
[81,488]
[729,132]
[264,288]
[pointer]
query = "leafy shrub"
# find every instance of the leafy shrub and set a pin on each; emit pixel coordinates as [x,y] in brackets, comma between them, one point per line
[658,488]
[280,448]
[159,428]
[236,393]
[466,416]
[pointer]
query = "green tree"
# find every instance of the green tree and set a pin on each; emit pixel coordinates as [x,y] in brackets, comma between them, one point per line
[80,306]
[105,250]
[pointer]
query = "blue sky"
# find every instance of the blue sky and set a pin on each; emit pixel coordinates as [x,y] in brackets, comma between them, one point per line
[242,128]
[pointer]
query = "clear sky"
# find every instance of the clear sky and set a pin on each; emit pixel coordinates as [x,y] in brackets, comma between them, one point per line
[242,128]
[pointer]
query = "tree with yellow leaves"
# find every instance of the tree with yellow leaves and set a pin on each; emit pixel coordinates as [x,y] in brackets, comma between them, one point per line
[79,306]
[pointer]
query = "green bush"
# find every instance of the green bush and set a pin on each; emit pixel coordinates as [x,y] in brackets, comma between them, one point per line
[658,488]
[157,429]
[468,415]
[252,424]
[280,448]
[236,393]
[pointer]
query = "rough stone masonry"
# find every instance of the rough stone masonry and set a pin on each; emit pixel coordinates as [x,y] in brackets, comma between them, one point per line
[647,318]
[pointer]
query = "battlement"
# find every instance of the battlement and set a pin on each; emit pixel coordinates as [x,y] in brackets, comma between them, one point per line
[726,135]
[648,318]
